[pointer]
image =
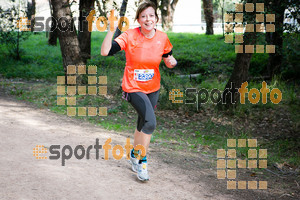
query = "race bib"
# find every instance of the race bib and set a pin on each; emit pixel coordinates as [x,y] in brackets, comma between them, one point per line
[143,74]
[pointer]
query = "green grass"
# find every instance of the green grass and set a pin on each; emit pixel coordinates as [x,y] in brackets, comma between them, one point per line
[41,61]
[208,55]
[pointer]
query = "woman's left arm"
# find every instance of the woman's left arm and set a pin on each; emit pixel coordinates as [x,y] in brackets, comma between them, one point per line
[170,61]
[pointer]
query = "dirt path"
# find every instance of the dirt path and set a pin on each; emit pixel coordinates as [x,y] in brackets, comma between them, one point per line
[22,176]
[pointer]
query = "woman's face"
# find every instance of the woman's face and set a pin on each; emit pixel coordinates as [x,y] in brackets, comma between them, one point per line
[147,19]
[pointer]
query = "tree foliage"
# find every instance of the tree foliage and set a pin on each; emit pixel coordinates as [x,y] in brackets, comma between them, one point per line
[10,35]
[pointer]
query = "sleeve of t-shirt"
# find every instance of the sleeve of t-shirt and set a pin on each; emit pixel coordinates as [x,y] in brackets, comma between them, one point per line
[122,40]
[168,46]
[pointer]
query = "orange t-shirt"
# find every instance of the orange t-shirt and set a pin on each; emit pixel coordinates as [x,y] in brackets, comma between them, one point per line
[143,56]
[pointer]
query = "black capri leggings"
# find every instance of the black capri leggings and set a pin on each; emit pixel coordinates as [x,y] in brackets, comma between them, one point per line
[144,104]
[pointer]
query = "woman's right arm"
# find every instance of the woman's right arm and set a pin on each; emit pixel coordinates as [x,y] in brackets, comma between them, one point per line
[106,44]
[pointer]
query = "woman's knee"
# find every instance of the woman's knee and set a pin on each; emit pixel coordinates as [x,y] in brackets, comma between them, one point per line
[149,127]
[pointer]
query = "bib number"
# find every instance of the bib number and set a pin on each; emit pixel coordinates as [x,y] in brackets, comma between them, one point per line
[143,74]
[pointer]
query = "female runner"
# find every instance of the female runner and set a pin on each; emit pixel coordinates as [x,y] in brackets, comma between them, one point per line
[144,48]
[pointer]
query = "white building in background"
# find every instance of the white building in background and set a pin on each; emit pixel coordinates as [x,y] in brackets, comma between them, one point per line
[187,17]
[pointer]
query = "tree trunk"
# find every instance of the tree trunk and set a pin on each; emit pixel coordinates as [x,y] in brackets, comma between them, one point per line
[103,9]
[31,14]
[84,36]
[105,5]
[18,48]
[241,67]
[122,14]
[53,33]
[167,13]
[223,7]
[68,41]
[238,76]
[209,18]
[276,38]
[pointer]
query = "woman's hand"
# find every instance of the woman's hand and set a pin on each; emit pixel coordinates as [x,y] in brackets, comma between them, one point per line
[170,61]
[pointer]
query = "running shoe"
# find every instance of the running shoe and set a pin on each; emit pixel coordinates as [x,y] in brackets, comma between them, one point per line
[142,172]
[134,163]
